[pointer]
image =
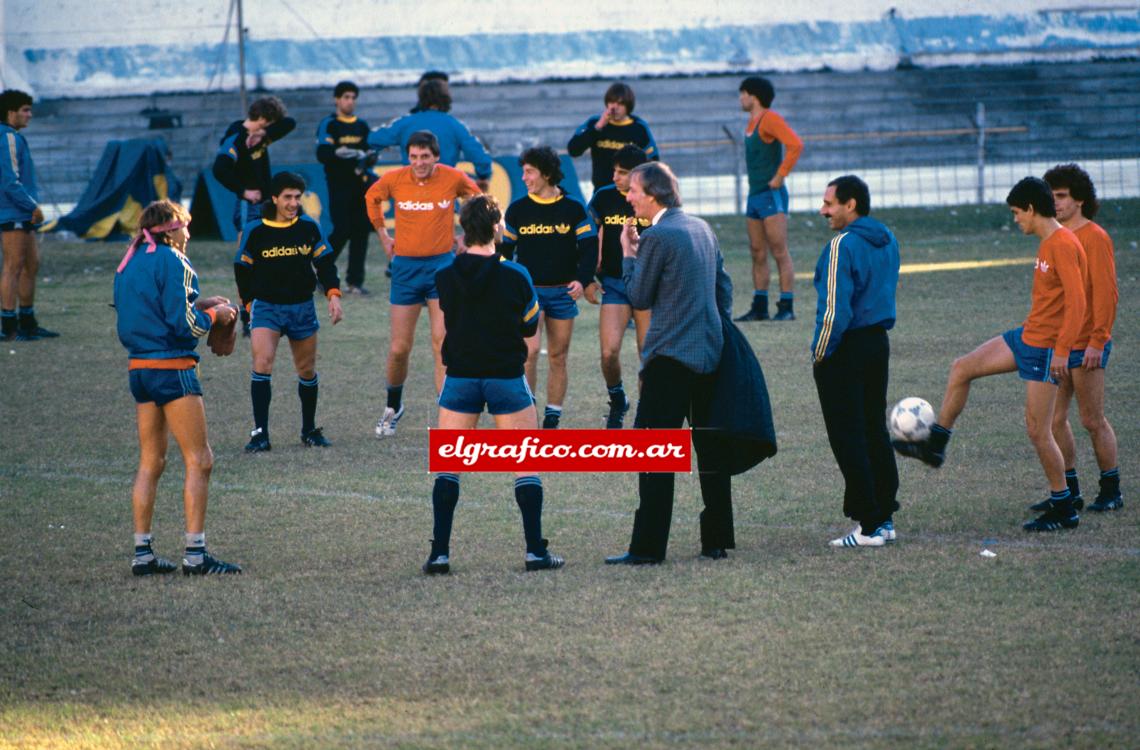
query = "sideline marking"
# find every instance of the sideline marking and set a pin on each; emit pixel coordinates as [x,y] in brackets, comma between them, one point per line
[952,265]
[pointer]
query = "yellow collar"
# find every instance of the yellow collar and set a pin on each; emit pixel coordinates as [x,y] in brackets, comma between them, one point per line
[544,201]
[346,119]
[279,224]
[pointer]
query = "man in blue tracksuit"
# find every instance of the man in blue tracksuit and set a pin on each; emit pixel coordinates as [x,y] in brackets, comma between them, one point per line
[431,114]
[855,280]
[20,213]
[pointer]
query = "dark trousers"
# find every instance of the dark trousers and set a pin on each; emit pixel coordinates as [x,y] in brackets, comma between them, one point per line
[350,224]
[852,386]
[670,393]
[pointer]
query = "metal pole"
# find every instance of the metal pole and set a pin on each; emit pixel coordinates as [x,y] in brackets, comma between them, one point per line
[241,57]
[735,169]
[980,121]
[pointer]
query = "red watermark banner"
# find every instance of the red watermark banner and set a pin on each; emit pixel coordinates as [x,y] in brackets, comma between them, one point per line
[560,450]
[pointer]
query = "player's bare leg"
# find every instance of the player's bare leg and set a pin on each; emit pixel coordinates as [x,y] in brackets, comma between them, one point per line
[402,332]
[438,332]
[758,249]
[558,333]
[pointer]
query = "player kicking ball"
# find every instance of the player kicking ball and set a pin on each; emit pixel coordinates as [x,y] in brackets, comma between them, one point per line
[1038,350]
[490,308]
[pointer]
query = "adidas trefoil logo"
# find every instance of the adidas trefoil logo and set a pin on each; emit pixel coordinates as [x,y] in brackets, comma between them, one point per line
[562,228]
[444,204]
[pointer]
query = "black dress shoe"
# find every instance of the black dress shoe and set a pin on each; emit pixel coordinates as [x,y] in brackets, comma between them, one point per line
[631,559]
[717,553]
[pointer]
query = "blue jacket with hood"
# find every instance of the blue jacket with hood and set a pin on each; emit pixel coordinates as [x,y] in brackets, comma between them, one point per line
[855,280]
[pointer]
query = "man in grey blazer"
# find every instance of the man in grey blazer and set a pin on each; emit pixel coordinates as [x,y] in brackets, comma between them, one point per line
[675,269]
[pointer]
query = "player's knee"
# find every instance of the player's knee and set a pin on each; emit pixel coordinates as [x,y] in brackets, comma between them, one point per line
[200,459]
[399,350]
[557,358]
[1094,423]
[152,464]
[1038,430]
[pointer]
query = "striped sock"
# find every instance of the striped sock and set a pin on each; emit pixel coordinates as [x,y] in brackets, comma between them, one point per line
[444,498]
[528,495]
[195,547]
[143,550]
[1062,500]
[1073,483]
[617,392]
[307,391]
[261,393]
[784,296]
[1110,482]
[395,396]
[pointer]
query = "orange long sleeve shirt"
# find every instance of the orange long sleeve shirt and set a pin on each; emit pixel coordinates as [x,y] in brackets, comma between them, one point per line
[425,210]
[1057,311]
[1101,293]
[773,127]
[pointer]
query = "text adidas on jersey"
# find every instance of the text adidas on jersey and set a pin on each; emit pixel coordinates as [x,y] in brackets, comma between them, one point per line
[420,205]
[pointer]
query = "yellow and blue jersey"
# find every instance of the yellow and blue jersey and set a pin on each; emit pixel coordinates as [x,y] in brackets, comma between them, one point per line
[281,262]
[605,143]
[19,194]
[239,167]
[609,211]
[333,132]
[553,238]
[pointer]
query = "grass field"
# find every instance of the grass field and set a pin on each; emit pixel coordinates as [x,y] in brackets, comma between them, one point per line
[333,638]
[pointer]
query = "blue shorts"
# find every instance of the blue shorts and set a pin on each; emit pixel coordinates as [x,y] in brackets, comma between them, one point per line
[1077,357]
[613,291]
[501,395]
[164,386]
[413,277]
[245,212]
[296,322]
[768,203]
[555,303]
[1032,361]
[17,226]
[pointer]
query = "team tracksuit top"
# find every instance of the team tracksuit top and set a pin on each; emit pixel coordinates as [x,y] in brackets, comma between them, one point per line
[855,280]
[156,319]
[609,210]
[452,134]
[19,194]
[240,168]
[1101,293]
[771,147]
[425,211]
[489,308]
[1057,310]
[333,132]
[552,238]
[605,143]
[276,260]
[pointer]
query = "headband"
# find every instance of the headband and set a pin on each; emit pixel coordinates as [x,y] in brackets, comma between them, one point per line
[151,243]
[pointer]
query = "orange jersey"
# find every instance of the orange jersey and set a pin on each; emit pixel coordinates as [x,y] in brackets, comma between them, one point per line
[425,211]
[1058,308]
[1101,294]
[773,127]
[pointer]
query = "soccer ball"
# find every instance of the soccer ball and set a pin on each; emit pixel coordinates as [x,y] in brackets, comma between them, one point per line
[910,419]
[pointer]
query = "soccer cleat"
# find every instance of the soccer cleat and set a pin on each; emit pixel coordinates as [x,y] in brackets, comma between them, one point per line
[550,421]
[920,450]
[714,553]
[23,335]
[887,531]
[39,332]
[752,315]
[386,427]
[258,442]
[616,417]
[210,565]
[1047,503]
[1102,503]
[546,562]
[153,566]
[784,311]
[857,539]
[359,290]
[438,565]
[1053,519]
[314,438]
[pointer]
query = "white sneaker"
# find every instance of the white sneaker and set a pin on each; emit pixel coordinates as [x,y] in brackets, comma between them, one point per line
[856,539]
[386,427]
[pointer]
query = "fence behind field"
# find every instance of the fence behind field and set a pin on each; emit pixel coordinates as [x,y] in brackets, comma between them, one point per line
[915,135]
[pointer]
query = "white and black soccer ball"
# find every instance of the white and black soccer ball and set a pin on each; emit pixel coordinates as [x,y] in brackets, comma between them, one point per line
[910,419]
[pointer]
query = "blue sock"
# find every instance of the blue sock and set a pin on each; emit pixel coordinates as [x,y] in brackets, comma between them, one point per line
[261,392]
[195,548]
[528,495]
[307,391]
[27,312]
[617,392]
[784,296]
[444,498]
[395,396]
[1110,482]
[1061,499]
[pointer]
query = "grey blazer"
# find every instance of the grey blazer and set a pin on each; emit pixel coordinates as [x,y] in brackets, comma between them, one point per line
[679,276]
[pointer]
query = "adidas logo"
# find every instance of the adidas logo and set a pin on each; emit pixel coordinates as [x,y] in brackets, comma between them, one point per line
[444,204]
[419,205]
[562,228]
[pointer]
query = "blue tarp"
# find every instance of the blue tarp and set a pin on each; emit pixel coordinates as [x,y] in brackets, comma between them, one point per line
[130,175]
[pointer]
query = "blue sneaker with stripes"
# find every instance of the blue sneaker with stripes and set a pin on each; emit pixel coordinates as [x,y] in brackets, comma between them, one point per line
[887,531]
